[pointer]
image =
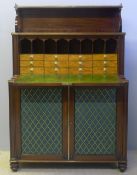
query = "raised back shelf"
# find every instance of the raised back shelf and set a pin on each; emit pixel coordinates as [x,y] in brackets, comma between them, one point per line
[69,19]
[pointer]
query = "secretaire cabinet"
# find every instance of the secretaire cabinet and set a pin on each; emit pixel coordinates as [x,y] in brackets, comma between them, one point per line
[68,96]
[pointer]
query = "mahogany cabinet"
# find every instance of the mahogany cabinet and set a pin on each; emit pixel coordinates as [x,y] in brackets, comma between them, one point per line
[68,95]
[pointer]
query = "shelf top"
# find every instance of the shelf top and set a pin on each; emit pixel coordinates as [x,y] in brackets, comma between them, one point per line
[94,18]
[67,34]
[68,6]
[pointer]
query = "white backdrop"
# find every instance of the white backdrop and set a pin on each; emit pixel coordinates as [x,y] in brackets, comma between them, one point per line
[7,18]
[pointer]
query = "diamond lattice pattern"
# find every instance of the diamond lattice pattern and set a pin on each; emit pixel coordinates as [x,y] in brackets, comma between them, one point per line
[95,121]
[41,120]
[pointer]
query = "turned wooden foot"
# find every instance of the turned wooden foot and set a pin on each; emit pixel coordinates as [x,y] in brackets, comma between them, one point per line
[122,166]
[14,166]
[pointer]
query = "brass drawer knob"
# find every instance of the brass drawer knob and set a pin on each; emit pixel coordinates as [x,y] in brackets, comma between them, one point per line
[105,62]
[105,55]
[80,56]
[31,62]
[80,62]
[56,69]
[31,56]
[80,69]
[56,62]
[31,69]
[105,69]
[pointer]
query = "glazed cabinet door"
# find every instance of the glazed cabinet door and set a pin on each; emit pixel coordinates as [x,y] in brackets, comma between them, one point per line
[97,124]
[38,123]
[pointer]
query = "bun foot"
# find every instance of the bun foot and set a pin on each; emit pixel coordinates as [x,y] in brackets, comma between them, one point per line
[14,166]
[122,166]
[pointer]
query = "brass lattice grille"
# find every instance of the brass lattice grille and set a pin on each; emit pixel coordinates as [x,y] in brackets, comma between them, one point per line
[95,121]
[41,120]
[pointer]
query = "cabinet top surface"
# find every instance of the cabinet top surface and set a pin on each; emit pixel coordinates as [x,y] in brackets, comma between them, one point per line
[64,6]
[67,79]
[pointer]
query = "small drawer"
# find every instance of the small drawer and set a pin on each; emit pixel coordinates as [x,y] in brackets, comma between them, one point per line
[56,64]
[63,64]
[33,57]
[24,70]
[112,63]
[105,57]
[37,70]
[112,57]
[63,57]
[99,70]
[112,70]
[80,64]
[33,70]
[80,57]
[75,57]
[73,64]
[99,63]
[77,71]
[56,57]
[99,57]
[88,64]
[31,63]
[56,71]
[49,64]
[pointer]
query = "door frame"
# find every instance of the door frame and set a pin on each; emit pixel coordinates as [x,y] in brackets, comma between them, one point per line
[15,125]
[121,125]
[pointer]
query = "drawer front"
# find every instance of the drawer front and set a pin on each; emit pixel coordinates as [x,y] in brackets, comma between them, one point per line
[56,70]
[77,71]
[55,57]
[31,70]
[80,57]
[59,64]
[31,57]
[99,70]
[105,63]
[105,57]
[31,63]
[83,64]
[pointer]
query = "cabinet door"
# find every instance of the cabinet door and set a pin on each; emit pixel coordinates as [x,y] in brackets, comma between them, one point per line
[41,123]
[94,124]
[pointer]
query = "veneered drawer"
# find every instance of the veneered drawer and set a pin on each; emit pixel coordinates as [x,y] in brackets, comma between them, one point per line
[29,57]
[33,70]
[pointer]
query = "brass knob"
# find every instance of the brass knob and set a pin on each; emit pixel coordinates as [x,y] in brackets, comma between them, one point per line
[80,69]
[56,69]
[31,69]
[105,62]
[105,69]
[31,62]
[80,62]
[105,55]
[31,56]
[55,62]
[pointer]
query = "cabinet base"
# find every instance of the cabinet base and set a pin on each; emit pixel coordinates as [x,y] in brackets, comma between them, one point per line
[122,166]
